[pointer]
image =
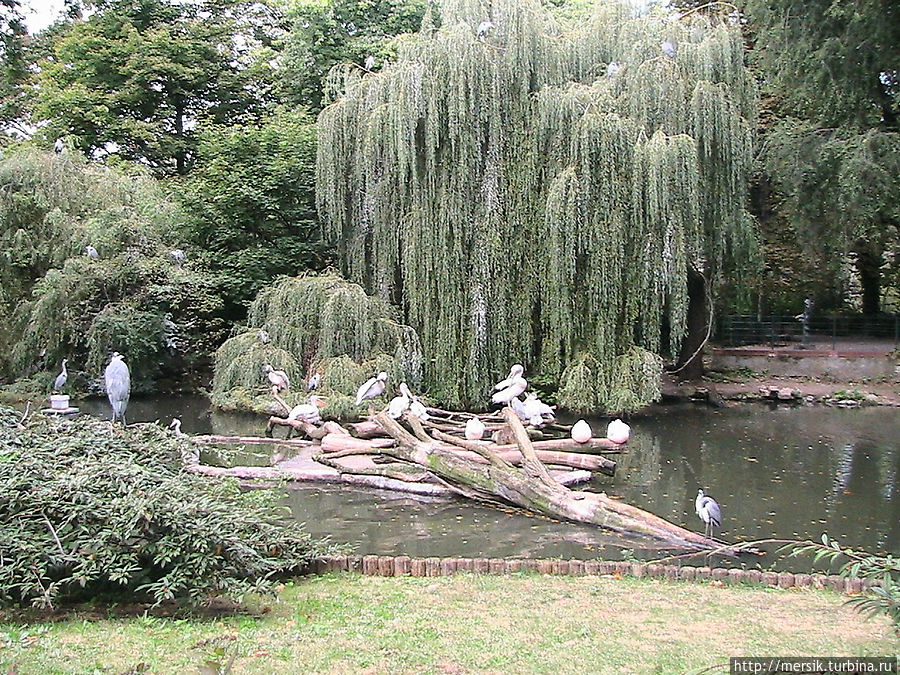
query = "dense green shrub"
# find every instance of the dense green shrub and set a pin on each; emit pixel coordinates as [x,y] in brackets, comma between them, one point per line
[87,509]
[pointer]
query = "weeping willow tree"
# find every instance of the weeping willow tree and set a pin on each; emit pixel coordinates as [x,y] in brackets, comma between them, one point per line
[540,194]
[134,298]
[315,323]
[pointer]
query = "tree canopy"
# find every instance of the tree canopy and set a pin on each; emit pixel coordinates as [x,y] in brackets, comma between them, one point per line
[136,76]
[538,194]
[830,72]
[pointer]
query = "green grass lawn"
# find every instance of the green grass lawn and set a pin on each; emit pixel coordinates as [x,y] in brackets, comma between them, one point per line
[347,623]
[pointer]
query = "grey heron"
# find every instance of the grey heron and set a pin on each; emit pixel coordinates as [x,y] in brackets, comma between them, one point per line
[709,512]
[370,62]
[371,388]
[91,252]
[314,381]
[60,380]
[118,386]
[278,378]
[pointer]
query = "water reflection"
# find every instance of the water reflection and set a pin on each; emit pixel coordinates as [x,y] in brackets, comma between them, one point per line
[782,472]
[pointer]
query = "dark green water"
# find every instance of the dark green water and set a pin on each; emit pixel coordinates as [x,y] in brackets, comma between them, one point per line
[789,472]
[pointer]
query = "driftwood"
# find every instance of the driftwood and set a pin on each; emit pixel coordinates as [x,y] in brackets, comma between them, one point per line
[532,487]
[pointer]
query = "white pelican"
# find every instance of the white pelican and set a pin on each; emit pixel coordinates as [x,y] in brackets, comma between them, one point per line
[309,411]
[278,378]
[618,432]
[514,372]
[371,388]
[474,429]
[400,404]
[709,512]
[514,384]
[533,410]
[581,432]
[417,408]
[60,380]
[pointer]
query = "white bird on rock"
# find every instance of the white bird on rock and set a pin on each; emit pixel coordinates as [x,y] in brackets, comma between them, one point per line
[400,404]
[514,384]
[709,512]
[618,432]
[60,380]
[581,432]
[474,429]
[278,378]
[371,388]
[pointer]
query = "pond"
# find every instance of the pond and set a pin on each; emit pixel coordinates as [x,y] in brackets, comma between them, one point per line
[782,472]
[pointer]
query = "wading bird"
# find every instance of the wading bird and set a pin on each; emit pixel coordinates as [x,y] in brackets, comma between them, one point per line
[60,380]
[91,252]
[668,48]
[313,383]
[178,256]
[118,386]
[371,388]
[278,378]
[581,432]
[484,28]
[514,384]
[612,68]
[175,425]
[400,404]
[370,62]
[618,432]
[709,512]
[309,411]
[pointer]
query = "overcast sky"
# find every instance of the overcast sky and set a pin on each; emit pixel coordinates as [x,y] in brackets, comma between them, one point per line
[41,13]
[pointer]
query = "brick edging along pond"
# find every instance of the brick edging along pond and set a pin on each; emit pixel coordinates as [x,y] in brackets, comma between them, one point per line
[398,566]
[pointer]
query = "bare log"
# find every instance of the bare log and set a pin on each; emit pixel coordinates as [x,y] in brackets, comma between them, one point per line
[310,430]
[209,439]
[342,442]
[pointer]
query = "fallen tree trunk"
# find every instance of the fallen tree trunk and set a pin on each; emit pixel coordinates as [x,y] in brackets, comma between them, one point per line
[531,487]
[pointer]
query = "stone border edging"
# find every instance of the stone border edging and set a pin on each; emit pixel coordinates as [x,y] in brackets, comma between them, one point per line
[397,566]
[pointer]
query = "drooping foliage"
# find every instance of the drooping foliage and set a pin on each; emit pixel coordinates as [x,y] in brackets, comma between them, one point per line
[134,298]
[315,323]
[86,511]
[537,194]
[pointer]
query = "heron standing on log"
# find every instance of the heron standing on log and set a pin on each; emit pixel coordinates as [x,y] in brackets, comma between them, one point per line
[709,512]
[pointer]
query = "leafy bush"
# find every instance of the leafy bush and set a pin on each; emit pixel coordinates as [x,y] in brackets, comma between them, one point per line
[88,509]
[883,570]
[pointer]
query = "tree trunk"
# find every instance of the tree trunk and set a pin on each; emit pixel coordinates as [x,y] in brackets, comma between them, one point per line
[690,359]
[868,263]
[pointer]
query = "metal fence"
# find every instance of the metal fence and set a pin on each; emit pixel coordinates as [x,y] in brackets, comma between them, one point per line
[735,330]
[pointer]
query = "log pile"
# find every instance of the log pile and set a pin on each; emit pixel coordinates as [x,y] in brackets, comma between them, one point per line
[518,467]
